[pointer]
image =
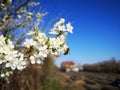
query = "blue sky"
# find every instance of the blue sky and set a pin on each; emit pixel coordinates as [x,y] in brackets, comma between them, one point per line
[96,24]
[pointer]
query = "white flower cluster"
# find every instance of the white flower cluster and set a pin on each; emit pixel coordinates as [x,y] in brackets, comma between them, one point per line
[6,74]
[61,27]
[37,45]
[9,57]
[41,45]
[36,48]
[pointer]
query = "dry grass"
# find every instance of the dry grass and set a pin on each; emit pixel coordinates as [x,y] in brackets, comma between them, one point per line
[34,77]
[28,79]
[80,82]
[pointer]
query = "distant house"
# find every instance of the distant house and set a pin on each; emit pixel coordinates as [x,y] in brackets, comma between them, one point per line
[68,66]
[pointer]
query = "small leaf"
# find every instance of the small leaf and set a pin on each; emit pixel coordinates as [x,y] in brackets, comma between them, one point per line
[36,30]
[63,44]
[7,38]
[47,41]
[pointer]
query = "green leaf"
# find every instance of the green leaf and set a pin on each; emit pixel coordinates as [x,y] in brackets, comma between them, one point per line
[63,44]
[6,38]
[47,41]
[18,57]
[36,30]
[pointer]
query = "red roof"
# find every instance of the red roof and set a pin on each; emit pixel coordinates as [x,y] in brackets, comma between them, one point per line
[67,63]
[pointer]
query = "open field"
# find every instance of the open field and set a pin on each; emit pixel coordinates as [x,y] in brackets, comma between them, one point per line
[34,78]
[90,81]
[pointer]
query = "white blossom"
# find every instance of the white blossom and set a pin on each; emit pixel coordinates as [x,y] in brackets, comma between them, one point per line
[11,64]
[69,27]
[11,55]
[2,40]
[8,73]
[1,61]
[2,75]
[30,13]
[16,62]
[42,38]
[31,33]
[29,42]
[61,28]
[54,31]
[19,16]
[20,64]
[35,59]
[61,21]
[43,51]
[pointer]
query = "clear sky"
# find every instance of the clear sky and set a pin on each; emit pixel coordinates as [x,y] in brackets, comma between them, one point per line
[96,24]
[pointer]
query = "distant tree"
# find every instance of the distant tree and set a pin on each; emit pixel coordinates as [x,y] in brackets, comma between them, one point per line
[118,66]
[106,66]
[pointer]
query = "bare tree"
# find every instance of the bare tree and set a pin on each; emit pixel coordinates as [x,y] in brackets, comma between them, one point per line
[18,17]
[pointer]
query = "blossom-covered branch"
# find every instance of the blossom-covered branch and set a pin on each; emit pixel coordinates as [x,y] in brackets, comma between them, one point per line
[36,48]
